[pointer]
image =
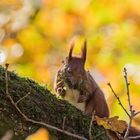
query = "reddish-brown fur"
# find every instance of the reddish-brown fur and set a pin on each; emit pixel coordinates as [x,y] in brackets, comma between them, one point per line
[93,95]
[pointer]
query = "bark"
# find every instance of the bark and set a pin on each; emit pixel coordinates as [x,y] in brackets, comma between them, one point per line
[40,105]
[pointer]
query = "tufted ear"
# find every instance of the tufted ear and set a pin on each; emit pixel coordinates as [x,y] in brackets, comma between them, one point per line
[71,50]
[84,51]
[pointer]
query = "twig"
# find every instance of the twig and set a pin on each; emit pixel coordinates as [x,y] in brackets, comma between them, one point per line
[138,112]
[23,98]
[128,128]
[132,113]
[90,127]
[63,125]
[34,121]
[120,103]
[127,88]
[134,137]
[129,103]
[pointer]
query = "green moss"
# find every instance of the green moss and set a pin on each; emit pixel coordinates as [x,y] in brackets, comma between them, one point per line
[40,105]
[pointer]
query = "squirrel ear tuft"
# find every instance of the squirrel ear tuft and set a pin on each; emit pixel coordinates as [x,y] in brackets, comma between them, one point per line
[84,51]
[71,50]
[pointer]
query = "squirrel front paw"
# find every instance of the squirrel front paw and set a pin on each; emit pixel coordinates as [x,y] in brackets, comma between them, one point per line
[61,91]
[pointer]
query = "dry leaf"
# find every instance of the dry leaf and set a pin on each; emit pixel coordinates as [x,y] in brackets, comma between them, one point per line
[112,123]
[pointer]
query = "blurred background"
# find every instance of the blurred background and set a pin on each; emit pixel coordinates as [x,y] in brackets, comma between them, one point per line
[35,36]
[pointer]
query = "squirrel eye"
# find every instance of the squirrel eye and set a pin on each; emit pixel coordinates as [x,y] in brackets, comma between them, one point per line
[69,70]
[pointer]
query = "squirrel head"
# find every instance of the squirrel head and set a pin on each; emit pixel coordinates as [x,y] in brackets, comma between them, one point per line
[75,66]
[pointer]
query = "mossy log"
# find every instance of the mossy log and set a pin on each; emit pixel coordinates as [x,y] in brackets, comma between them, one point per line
[40,105]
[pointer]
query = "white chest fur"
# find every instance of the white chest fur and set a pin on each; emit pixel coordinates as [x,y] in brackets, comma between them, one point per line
[72,96]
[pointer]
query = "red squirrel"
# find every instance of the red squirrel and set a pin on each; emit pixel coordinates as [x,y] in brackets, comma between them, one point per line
[77,86]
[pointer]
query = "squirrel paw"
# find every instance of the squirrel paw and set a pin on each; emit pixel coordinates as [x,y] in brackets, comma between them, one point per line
[61,92]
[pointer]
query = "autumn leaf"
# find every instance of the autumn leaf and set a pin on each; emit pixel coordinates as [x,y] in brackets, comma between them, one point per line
[41,134]
[112,123]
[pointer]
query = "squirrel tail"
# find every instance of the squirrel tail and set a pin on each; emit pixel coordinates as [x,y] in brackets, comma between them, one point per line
[133,132]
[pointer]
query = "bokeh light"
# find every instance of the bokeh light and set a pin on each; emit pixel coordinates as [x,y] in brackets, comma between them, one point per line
[17,50]
[3,56]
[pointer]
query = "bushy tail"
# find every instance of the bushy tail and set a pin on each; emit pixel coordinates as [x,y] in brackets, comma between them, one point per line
[133,132]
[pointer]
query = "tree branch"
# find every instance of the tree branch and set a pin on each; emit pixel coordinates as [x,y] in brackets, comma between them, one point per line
[34,121]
